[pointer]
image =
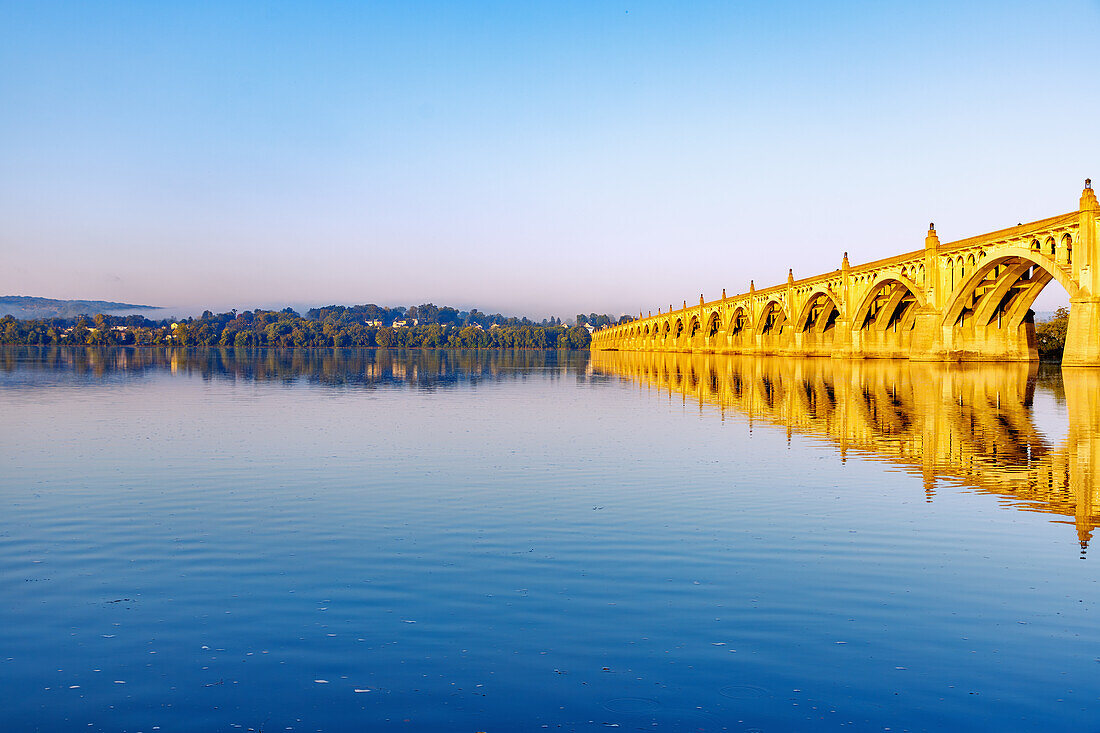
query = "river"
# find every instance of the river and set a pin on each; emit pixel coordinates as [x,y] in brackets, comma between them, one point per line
[331,540]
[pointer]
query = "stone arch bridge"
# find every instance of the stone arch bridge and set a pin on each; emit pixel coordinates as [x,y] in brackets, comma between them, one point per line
[968,300]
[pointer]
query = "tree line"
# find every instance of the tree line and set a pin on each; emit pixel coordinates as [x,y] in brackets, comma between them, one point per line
[369,325]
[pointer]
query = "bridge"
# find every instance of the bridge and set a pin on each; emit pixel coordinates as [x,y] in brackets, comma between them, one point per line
[952,425]
[968,300]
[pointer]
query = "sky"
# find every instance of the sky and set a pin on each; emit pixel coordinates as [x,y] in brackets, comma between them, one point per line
[530,158]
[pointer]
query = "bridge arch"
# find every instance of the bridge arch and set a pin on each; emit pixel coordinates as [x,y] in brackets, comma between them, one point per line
[883,322]
[739,320]
[714,325]
[772,318]
[1004,287]
[901,288]
[737,327]
[821,302]
[904,280]
[678,329]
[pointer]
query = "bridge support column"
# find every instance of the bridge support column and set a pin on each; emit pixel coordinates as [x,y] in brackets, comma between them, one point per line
[927,343]
[1083,333]
[842,340]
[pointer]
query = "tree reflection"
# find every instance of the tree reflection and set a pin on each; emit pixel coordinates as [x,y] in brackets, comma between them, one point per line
[417,368]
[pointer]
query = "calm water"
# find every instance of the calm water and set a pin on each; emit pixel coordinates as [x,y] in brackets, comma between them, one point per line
[445,541]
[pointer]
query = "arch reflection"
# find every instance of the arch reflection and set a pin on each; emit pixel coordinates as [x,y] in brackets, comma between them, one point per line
[975,426]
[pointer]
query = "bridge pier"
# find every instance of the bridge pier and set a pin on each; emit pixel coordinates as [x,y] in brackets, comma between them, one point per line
[842,347]
[1083,333]
[927,342]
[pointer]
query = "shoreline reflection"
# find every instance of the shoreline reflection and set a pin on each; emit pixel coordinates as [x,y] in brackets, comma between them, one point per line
[974,425]
[351,367]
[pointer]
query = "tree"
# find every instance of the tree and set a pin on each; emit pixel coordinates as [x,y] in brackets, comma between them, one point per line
[473,338]
[579,337]
[385,337]
[432,336]
[1050,336]
[447,316]
[427,313]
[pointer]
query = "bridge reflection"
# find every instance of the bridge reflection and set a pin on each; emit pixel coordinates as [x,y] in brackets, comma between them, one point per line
[975,427]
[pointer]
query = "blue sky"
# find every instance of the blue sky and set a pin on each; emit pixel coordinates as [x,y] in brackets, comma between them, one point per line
[538,158]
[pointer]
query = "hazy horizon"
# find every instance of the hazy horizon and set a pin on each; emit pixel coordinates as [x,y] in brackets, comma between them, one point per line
[183,310]
[544,159]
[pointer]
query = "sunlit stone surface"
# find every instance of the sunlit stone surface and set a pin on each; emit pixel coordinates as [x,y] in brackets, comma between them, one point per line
[963,301]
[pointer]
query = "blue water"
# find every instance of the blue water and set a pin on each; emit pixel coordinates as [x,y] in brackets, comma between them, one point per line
[447,541]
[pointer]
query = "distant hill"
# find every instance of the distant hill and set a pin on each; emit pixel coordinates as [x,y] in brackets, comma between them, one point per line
[25,306]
